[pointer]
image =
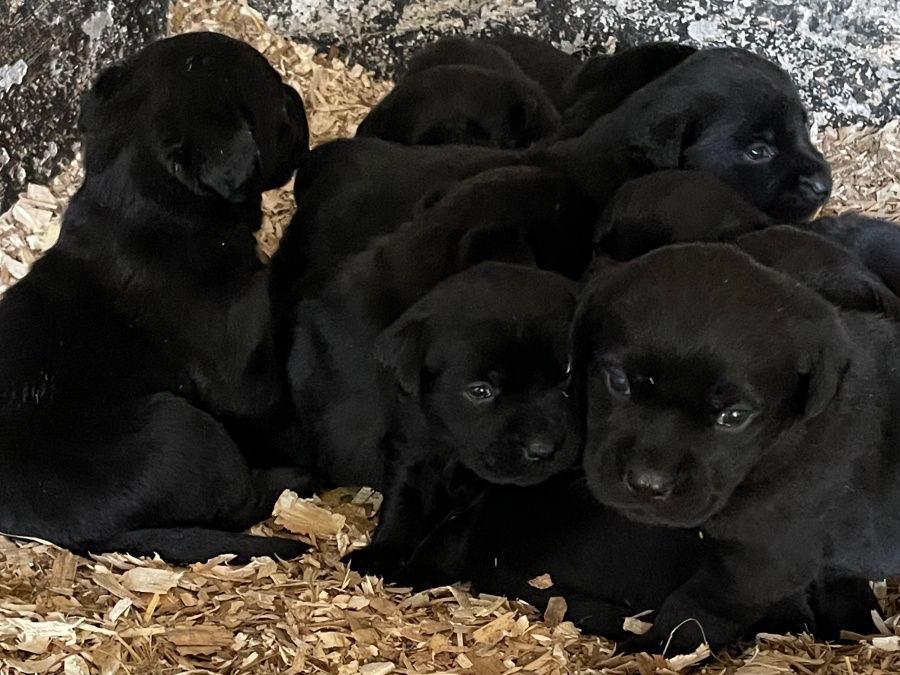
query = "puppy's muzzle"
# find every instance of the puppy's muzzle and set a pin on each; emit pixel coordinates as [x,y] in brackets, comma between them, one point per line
[539,449]
[649,485]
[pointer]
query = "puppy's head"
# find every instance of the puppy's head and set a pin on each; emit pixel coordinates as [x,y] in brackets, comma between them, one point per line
[738,116]
[696,361]
[199,112]
[462,104]
[486,355]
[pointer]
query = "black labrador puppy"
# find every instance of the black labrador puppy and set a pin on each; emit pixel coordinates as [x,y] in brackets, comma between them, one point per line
[742,404]
[462,104]
[724,111]
[670,207]
[343,405]
[481,375]
[150,319]
[513,54]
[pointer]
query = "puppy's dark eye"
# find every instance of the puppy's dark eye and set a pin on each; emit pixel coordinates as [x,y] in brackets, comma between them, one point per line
[617,381]
[734,418]
[760,152]
[478,392]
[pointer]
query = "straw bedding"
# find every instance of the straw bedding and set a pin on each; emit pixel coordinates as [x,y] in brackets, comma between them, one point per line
[60,613]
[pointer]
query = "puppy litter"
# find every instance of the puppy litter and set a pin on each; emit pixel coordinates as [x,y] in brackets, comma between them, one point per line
[112,614]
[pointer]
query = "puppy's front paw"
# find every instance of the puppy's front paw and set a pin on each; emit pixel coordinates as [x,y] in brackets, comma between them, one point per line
[378,558]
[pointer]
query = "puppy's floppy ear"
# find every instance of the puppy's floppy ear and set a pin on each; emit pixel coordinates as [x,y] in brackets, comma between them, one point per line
[108,83]
[400,348]
[823,365]
[663,142]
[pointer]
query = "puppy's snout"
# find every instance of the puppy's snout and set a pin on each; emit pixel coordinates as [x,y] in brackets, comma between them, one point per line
[649,484]
[817,186]
[539,449]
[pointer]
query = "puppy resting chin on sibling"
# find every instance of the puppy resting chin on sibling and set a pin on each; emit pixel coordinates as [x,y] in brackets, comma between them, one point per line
[725,396]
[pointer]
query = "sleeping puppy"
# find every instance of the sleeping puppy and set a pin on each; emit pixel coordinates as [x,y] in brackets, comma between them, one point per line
[513,54]
[876,242]
[606,566]
[725,111]
[337,385]
[481,375]
[462,104]
[550,67]
[149,319]
[603,81]
[742,404]
[835,272]
[671,206]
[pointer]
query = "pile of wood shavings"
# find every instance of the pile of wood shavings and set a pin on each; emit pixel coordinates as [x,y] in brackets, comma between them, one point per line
[60,613]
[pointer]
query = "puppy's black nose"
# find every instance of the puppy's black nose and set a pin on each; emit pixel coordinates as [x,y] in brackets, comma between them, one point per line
[649,484]
[539,449]
[818,187]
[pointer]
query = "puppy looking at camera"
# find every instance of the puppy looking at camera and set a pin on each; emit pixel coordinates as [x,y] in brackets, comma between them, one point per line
[740,403]
[148,323]
[422,384]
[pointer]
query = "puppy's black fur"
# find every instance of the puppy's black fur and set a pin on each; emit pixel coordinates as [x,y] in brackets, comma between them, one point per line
[672,206]
[457,50]
[354,190]
[832,270]
[336,381]
[740,402]
[725,111]
[149,319]
[550,67]
[481,371]
[462,104]
[876,242]
[669,207]
[602,82]
[606,566]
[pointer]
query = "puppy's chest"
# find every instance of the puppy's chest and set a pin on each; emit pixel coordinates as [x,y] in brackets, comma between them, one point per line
[225,346]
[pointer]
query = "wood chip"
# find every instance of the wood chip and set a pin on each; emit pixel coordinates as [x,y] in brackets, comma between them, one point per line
[556,611]
[543,582]
[303,516]
[149,580]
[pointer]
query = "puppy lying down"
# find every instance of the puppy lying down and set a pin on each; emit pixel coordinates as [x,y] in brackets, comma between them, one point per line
[414,386]
[742,404]
[462,104]
[724,111]
[148,323]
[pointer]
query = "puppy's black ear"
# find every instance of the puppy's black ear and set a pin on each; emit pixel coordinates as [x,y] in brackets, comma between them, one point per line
[109,82]
[228,170]
[400,348]
[824,367]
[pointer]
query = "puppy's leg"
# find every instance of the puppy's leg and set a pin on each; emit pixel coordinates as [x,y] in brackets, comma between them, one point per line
[171,472]
[729,593]
[180,546]
[415,502]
